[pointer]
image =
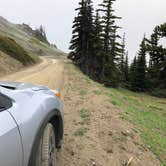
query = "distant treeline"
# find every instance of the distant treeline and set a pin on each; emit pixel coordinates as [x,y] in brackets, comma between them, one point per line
[151,75]
[99,51]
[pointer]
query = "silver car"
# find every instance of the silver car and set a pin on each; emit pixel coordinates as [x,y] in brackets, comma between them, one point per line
[31,125]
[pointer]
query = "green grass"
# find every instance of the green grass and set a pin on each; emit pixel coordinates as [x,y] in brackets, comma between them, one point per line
[147,113]
[87,79]
[85,115]
[83,92]
[115,102]
[80,132]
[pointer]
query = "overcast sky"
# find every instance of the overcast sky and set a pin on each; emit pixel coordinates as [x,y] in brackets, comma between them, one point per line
[139,17]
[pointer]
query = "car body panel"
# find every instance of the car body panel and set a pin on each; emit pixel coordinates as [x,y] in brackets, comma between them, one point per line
[31,106]
[10,141]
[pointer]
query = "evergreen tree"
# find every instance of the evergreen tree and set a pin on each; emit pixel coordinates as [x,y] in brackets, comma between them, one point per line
[138,70]
[122,60]
[162,30]
[78,33]
[98,48]
[122,54]
[94,44]
[143,78]
[126,70]
[110,71]
[116,48]
[89,39]
[41,34]
[133,74]
[142,68]
[82,49]
[157,65]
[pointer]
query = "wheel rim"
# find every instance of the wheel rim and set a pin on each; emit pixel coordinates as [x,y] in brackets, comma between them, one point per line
[52,150]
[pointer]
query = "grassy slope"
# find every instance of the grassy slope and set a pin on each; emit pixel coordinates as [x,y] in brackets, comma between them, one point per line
[149,114]
[32,45]
[146,112]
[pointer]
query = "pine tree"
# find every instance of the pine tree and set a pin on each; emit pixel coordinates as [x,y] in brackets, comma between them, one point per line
[138,70]
[122,54]
[122,60]
[94,44]
[82,49]
[157,54]
[162,79]
[78,41]
[41,34]
[126,70]
[89,39]
[162,30]
[133,74]
[116,47]
[110,46]
[98,48]
[142,68]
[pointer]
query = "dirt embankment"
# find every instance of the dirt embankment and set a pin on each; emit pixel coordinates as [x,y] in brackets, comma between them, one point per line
[95,133]
[8,64]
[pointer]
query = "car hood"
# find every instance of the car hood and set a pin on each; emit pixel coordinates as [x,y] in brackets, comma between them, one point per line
[16,90]
[21,86]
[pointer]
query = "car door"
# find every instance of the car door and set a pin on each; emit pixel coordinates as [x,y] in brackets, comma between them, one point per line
[10,141]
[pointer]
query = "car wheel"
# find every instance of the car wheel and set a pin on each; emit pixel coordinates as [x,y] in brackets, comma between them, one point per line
[46,155]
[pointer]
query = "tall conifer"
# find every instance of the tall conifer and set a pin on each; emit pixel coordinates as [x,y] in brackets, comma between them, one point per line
[142,68]
[126,70]
[78,35]
[110,45]
[98,47]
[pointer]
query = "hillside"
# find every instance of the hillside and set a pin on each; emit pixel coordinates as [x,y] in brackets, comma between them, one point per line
[8,64]
[19,47]
[110,127]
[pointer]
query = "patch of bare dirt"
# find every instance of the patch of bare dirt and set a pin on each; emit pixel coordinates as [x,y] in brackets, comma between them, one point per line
[95,134]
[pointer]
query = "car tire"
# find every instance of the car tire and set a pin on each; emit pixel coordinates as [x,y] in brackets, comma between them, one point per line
[46,155]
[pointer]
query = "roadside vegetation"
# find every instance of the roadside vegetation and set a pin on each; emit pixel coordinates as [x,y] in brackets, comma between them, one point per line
[80,132]
[107,126]
[100,52]
[85,116]
[146,112]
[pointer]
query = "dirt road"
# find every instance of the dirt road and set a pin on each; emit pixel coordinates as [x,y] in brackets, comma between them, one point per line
[48,73]
[95,134]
